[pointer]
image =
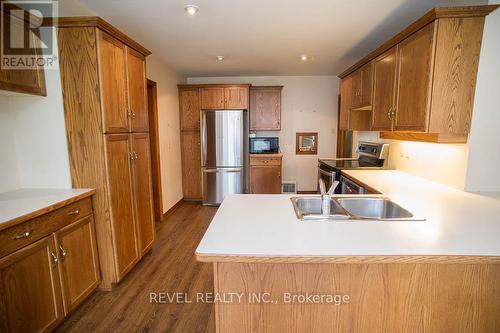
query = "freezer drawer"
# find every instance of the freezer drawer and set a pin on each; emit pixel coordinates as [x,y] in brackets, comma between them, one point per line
[217,183]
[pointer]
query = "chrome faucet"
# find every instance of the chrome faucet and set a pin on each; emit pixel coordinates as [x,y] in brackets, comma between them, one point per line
[325,196]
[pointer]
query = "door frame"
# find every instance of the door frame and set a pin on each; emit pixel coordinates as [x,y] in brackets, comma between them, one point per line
[152,98]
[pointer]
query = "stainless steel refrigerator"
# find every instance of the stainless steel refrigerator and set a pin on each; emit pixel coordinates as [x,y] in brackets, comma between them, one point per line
[224,154]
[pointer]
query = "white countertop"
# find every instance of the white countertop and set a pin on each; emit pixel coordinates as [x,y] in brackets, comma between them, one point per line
[18,203]
[457,223]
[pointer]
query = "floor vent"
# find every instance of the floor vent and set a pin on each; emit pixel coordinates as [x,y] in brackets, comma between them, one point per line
[289,187]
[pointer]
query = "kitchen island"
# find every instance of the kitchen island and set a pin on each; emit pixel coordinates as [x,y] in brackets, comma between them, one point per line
[440,275]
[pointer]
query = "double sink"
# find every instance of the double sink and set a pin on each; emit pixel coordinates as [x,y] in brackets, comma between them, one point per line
[310,208]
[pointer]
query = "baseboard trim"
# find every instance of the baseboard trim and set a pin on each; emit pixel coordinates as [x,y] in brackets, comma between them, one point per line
[307,192]
[172,209]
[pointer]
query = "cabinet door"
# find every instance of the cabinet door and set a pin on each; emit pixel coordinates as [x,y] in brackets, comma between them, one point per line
[136,82]
[212,98]
[191,165]
[112,74]
[189,100]
[345,103]
[356,89]
[236,98]
[265,179]
[415,58]
[143,196]
[30,297]
[265,109]
[122,211]
[30,81]
[366,84]
[384,83]
[78,266]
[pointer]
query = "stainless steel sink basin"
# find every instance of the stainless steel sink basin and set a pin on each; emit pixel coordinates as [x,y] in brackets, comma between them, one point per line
[374,208]
[310,208]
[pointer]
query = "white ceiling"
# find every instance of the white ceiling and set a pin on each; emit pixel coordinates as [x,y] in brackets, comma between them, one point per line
[262,37]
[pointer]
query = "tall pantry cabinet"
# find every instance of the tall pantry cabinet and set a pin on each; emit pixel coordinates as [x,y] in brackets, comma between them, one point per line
[103,77]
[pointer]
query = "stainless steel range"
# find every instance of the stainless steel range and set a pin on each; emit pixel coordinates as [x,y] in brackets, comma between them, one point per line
[371,155]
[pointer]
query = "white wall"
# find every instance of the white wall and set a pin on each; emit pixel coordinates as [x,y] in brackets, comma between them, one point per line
[168,122]
[483,164]
[309,104]
[9,172]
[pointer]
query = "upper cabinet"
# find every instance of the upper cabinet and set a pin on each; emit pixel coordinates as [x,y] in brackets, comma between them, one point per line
[224,97]
[189,107]
[265,108]
[137,95]
[352,119]
[420,84]
[28,81]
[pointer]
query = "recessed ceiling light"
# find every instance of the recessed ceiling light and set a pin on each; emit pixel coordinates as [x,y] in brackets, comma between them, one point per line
[219,58]
[191,9]
[305,57]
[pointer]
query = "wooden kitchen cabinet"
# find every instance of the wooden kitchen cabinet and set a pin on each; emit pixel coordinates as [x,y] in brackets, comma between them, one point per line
[384,90]
[415,62]
[361,92]
[28,81]
[119,155]
[191,165]
[78,262]
[236,98]
[212,98]
[424,77]
[189,107]
[107,130]
[113,79]
[265,174]
[141,170]
[31,298]
[137,95]
[351,119]
[265,108]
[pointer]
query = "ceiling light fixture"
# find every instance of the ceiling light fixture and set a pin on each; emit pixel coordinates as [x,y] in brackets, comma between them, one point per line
[304,57]
[191,9]
[219,58]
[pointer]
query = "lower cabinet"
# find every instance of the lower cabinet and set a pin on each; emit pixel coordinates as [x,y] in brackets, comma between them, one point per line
[44,281]
[265,175]
[191,161]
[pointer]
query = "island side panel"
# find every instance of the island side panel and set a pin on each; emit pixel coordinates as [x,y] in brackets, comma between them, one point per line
[383,297]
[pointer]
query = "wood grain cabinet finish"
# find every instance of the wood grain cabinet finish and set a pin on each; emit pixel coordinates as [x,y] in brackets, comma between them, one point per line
[236,98]
[121,197]
[435,61]
[384,90]
[212,98]
[265,175]
[141,170]
[191,165]
[103,80]
[265,108]
[189,106]
[137,95]
[113,83]
[45,279]
[361,94]
[28,81]
[31,298]
[78,262]
[345,103]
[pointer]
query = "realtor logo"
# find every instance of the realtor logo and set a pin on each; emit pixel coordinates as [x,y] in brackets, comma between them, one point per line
[25,43]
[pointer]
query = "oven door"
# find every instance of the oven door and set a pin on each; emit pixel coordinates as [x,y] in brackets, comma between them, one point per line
[349,187]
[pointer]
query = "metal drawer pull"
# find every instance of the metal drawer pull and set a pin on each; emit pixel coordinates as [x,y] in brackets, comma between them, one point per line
[54,259]
[25,234]
[63,253]
[75,212]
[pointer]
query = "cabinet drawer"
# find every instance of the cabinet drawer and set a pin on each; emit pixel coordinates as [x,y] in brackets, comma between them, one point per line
[26,233]
[268,161]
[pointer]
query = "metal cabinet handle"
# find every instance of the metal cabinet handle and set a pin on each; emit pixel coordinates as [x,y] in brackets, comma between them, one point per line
[54,259]
[75,212]
[63,253]
[23,235]
[135,155]
[389,113]
[131,114]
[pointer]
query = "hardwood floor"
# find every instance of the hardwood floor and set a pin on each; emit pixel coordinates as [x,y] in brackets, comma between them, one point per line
[170,267]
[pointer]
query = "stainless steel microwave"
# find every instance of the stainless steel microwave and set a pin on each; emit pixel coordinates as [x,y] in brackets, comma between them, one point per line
[264,145]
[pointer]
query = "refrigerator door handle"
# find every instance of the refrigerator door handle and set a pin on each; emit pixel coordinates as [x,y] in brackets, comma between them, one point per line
[203,135]
[222,170]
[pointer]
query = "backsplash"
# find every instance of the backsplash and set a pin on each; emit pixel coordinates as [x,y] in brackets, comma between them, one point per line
[441,163]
